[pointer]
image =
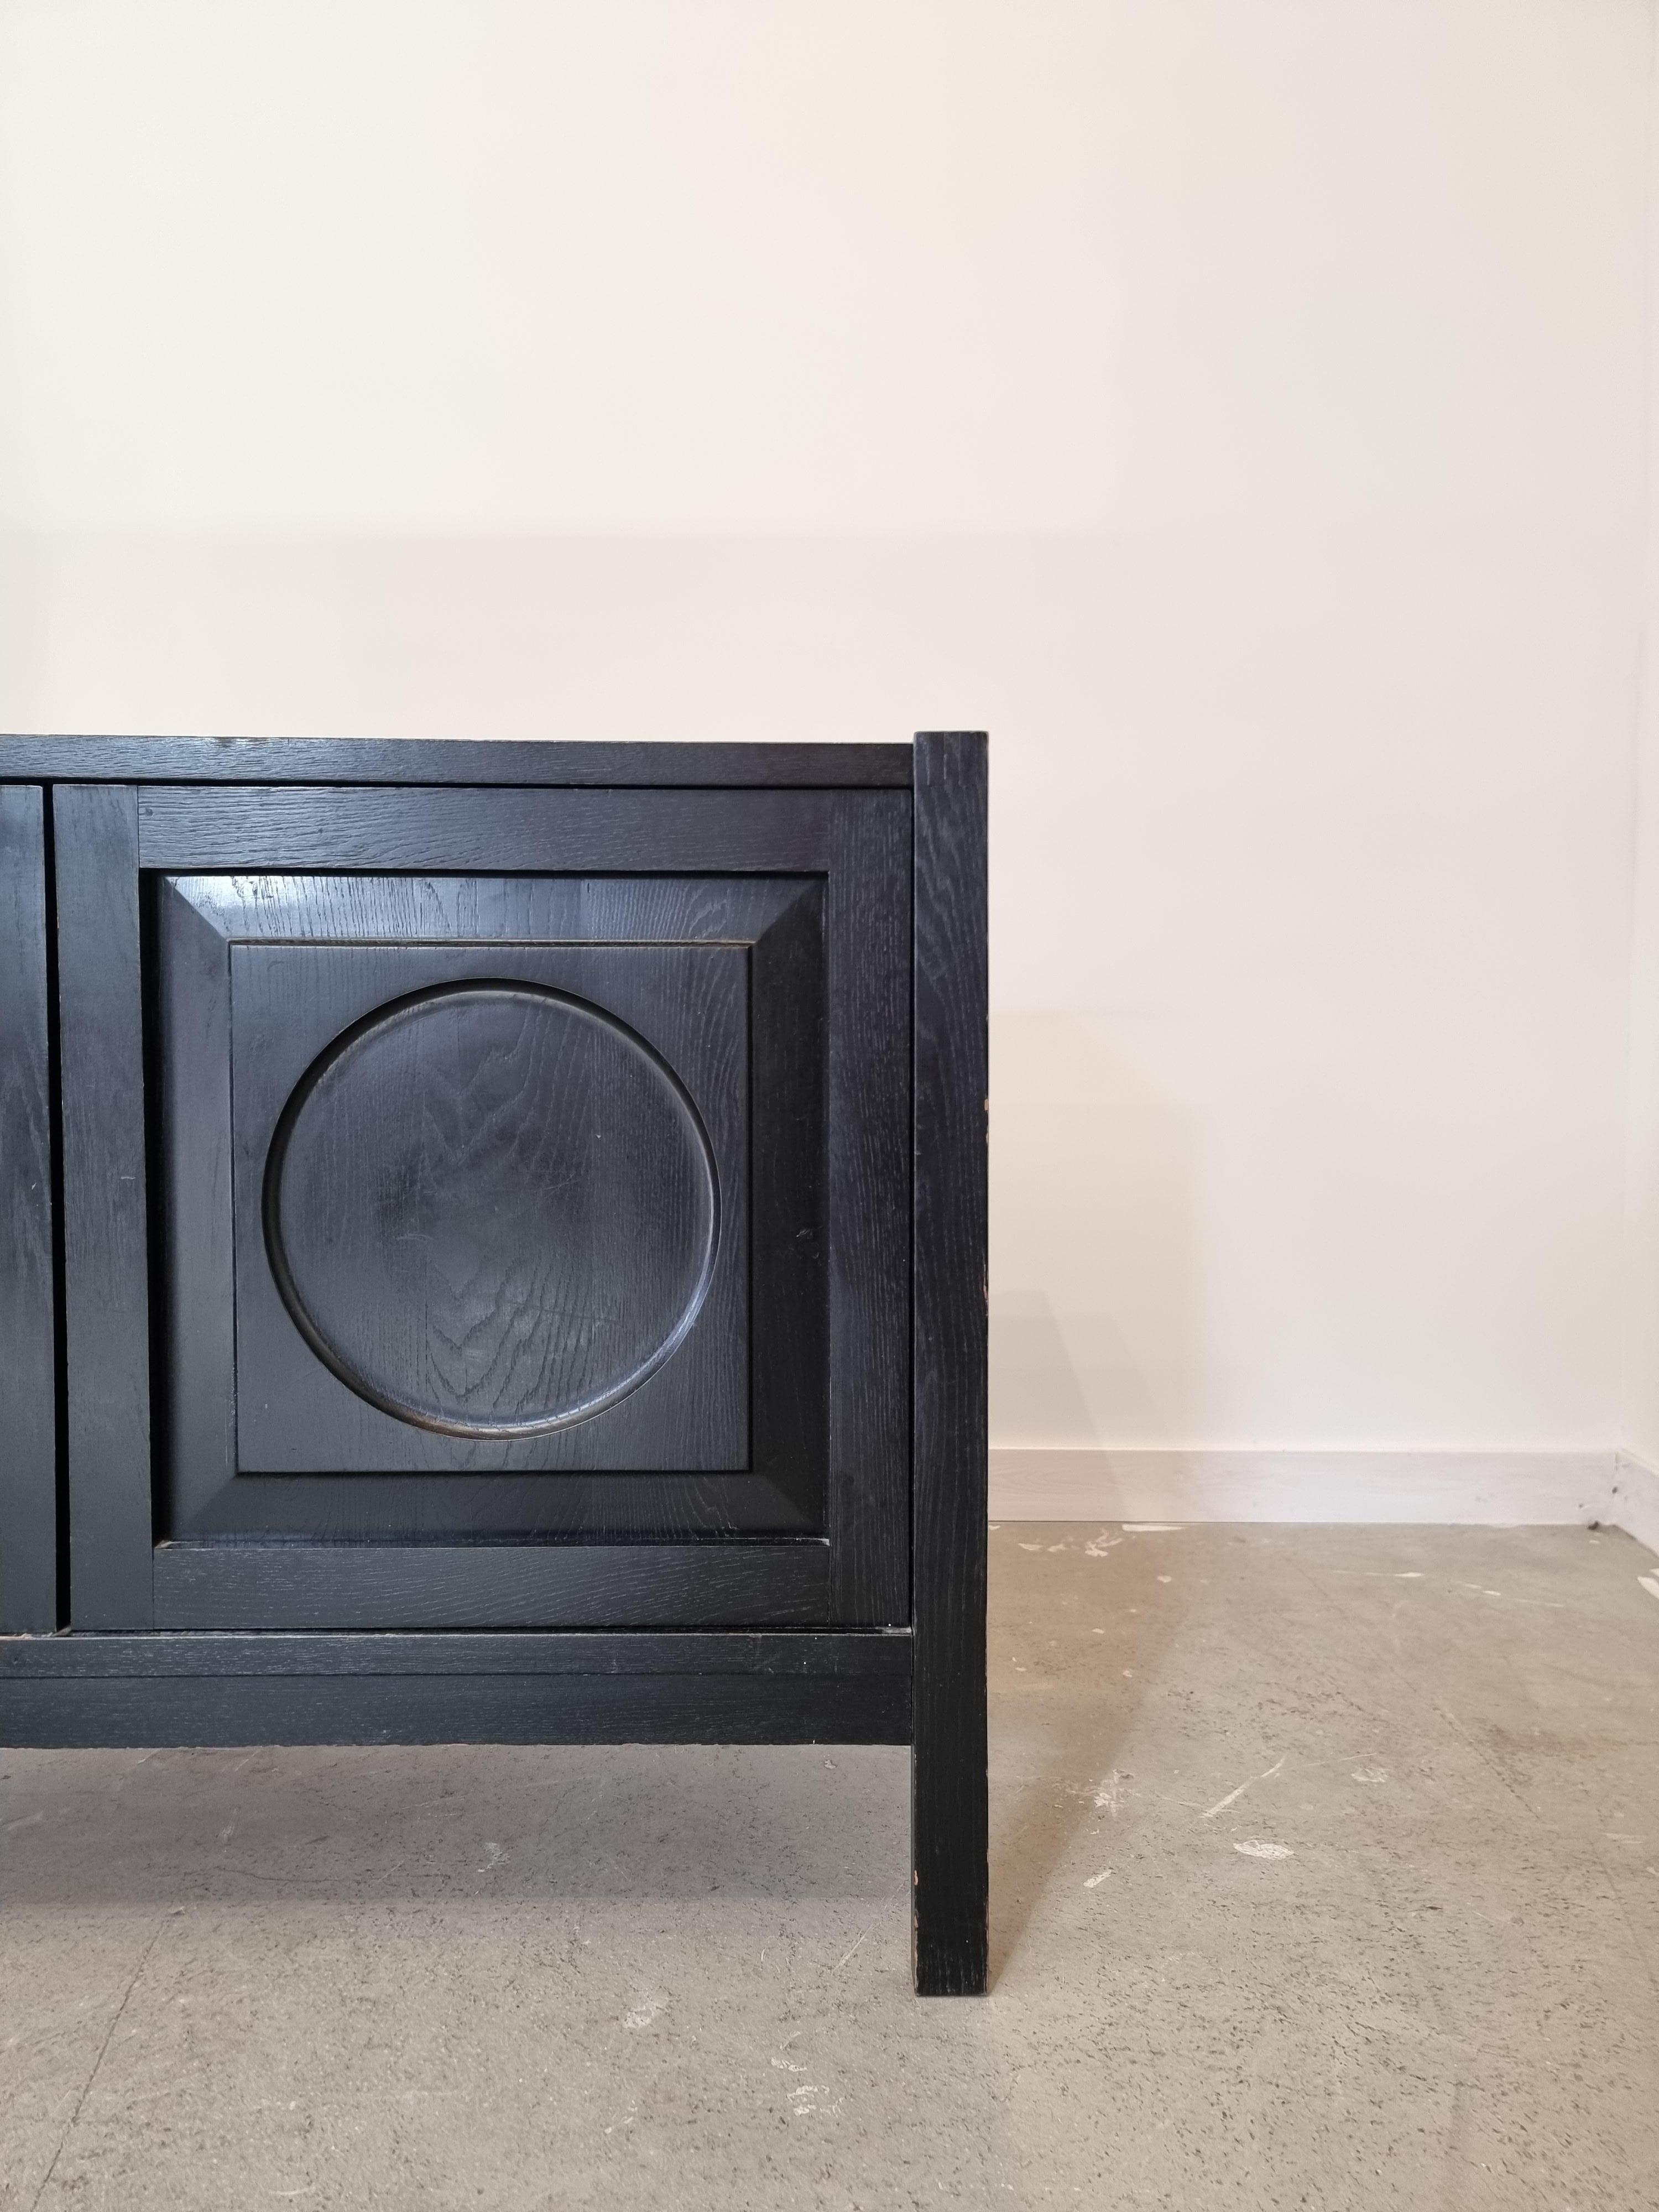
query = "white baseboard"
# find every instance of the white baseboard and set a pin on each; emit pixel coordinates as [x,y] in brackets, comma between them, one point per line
[1634,1506]
[1496,1489]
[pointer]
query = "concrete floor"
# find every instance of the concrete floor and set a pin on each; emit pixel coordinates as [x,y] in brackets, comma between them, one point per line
[1325,1875]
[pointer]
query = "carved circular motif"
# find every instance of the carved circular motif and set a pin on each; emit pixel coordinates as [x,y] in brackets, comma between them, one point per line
[491,1209]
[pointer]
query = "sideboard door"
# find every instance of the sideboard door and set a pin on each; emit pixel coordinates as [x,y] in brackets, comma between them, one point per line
[485,1208]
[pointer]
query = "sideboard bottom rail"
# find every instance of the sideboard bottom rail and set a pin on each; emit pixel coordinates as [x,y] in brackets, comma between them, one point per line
[148,1691]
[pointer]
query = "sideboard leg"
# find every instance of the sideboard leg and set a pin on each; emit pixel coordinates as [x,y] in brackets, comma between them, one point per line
[948,1823]
[948,1805]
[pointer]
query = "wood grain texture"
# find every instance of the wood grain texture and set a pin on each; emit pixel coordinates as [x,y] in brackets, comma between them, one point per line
[302,907]
[868,1243]
[856,840]
[788,1299]
[106,1264]
[949,1442]
[369,1586]
[562,1651]
[831,1078]
[705,833]
[849,1261]
[197,1279]
[794,1687]
[652,1506]
[492,1209]
[776,922]
[415,1302]
[445,761]
[28,1427]
[234,1709]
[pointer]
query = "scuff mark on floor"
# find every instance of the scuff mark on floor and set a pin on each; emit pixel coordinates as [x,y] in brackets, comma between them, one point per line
[1233,1796]
[1551,1604]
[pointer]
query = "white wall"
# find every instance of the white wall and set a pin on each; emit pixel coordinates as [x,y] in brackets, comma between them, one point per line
[1639,1411]
[1236,408]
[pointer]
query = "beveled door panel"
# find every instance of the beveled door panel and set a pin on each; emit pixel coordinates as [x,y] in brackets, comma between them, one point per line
[490,1206]
[406,1116]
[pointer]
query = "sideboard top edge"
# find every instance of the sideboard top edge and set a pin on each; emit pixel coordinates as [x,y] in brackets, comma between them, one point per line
[437,761]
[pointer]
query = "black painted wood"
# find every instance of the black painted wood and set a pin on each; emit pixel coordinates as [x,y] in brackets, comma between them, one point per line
[491,1207]
[790,1351]
[28,1428]
[106,1261]
[869,1229]
[231,1709]
[703,833]
[301,907]
[799,1687]
[368,1586]
[867,1017]
[566,1652]
[415,761]
[195,1462]
[855,845]
[948,1761]
[777,923]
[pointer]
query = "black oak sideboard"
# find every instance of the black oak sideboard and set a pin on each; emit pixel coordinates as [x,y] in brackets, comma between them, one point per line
[494,1245]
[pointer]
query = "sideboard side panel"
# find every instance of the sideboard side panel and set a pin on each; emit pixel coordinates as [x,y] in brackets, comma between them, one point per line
[106,1265]
[28,1425]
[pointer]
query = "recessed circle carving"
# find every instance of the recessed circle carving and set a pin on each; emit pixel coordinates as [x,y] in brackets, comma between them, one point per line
[491,1209]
